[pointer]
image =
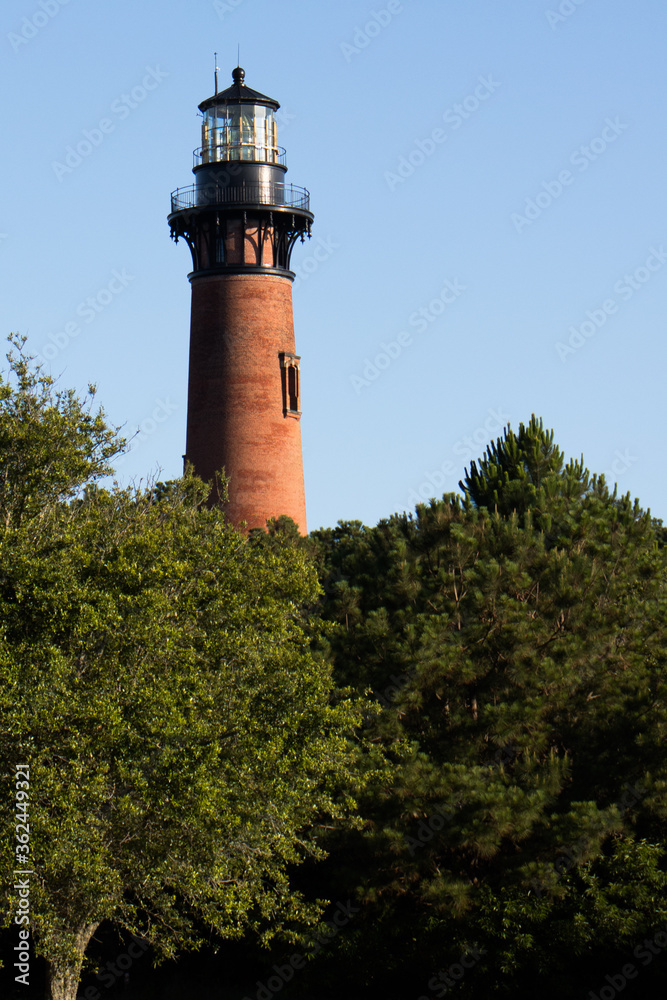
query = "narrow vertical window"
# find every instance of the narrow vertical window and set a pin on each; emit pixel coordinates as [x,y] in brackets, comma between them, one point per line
[219,235]
[289,371]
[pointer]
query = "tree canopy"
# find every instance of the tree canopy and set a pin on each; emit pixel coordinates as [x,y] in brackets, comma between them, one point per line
[156,674]
[483,679]
[515,639]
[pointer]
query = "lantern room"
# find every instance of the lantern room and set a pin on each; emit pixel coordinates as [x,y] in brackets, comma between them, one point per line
[239,124]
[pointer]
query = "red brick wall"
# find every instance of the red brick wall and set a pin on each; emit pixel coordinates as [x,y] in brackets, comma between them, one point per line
[240,325]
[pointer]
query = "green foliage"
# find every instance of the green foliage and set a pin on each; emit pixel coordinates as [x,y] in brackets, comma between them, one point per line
[607,906]
[156,673]
[51,444]
[190,702]
[524,471]
[515,640]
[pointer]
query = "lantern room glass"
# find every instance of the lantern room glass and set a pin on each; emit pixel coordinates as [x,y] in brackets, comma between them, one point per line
[239,132]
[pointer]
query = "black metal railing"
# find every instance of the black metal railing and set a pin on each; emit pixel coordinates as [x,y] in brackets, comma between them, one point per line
[267,193]
[244,152]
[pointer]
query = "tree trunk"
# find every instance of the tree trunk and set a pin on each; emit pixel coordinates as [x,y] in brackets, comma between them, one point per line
[62,982]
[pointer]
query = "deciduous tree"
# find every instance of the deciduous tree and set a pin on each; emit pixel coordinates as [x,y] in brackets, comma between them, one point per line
[156,675]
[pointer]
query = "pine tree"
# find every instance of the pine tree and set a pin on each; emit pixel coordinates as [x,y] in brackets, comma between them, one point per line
[520,631]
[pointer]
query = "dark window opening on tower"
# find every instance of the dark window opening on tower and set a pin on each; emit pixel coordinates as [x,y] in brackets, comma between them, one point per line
[293,387]
[219,249]
[289,370]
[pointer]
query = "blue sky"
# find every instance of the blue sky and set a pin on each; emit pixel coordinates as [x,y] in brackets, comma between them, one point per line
[490,236]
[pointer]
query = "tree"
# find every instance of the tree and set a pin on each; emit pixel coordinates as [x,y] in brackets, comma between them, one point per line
[516,641]
[51,443]
[156,675]
[520,471]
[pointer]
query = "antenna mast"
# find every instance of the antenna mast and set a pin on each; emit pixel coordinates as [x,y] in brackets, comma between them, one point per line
[216,72]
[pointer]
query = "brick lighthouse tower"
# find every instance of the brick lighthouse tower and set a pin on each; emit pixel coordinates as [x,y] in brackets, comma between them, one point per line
[241,221]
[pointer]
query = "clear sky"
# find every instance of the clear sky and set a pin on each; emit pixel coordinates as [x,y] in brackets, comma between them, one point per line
[490,239]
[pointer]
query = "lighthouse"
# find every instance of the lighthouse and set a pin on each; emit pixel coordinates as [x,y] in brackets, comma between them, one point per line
[241,220]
